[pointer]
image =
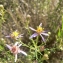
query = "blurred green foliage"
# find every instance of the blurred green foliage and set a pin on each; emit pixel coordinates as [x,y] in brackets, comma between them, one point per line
[2,13]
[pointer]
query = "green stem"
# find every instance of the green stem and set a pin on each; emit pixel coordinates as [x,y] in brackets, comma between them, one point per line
[36,48]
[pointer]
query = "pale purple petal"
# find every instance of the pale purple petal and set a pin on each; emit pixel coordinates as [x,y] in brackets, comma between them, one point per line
[46,34]
[20,51]
[9,46]
[40,25]
[32,28]
[33,35]
[8,36]
[21,35]
[16,44]
[19,45]
[18,36]
[42,38]
[44,31]
[15,57]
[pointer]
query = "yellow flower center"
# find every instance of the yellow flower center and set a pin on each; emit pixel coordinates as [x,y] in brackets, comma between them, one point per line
[39,30]
[14,34]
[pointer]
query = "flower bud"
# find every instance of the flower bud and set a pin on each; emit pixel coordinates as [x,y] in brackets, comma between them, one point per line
[42,48]
[45,57]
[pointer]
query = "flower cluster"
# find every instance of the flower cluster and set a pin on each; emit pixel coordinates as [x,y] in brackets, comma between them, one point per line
[15,49]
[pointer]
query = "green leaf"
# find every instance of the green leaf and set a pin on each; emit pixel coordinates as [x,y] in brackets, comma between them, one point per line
[1,48]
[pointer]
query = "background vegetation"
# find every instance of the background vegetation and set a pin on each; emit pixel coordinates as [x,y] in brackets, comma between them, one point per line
[19,15]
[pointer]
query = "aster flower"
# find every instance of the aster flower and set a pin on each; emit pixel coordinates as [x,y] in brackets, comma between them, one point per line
[15,49]
[15,35]
[39,31]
